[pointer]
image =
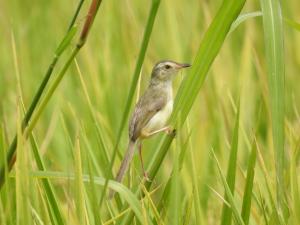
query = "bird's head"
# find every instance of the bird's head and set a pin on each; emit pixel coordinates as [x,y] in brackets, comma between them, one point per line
[166,70]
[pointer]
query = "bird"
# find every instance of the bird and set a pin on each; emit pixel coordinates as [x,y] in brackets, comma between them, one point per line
[151,112]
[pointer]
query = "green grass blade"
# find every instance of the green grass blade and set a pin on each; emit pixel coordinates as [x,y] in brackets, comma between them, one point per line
[231,170]
[79,188]
[164,200]
[66,41]
[246,207]
[22,181]
[209,48]
[129,197]
[50,92]
[175,194]
[154,209]
[188,210]
[80,3]
[292,24]
[51,196]
[276,216]
[104,154]
[230,197]
[295,187]
[242,18]
[92,192]
[273,34]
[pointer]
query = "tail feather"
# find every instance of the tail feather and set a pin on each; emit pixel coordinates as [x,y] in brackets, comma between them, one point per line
[124,165]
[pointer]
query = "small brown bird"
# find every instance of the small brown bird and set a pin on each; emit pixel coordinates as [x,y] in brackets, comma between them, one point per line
[152,111]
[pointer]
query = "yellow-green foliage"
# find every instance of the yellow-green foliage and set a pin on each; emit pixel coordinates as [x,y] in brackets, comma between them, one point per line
[235,156]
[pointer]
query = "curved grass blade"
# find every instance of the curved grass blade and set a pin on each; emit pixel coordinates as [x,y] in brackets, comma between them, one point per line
[92,193]
[231,171]
[129,197]
[188,210]
[99,132]
[273,34]
[79,188]
[276,216]
[75,14]
[51,196]
[156,213]
[292,24]
[242,18]
[249,186]
[295,186]
[229,194]
[209,48]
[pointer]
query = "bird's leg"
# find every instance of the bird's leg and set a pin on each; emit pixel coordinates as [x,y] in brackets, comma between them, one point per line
[142,162]
[166,129]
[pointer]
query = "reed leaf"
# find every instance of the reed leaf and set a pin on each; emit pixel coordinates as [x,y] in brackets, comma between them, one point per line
[52,201]
[229,195]
[121,189]
[246,207]
[274,42]
[231,169]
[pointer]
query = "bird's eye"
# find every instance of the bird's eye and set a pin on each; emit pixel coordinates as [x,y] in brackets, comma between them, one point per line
[167,66]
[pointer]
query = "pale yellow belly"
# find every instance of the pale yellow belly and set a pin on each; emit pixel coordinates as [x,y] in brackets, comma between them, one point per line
[160,119]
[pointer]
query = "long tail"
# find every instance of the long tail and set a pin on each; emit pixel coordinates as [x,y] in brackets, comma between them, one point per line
[124,165]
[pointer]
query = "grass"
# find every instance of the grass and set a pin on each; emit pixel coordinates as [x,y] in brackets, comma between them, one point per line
[230,161]
[273,33]
[231,170]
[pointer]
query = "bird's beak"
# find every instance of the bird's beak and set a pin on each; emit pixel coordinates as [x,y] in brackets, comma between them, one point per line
[183,65]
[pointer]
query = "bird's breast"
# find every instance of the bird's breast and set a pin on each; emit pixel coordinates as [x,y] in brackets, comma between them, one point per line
[160,119]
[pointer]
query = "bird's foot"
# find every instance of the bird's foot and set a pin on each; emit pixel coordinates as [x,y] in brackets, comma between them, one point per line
[146,176]
[171,131]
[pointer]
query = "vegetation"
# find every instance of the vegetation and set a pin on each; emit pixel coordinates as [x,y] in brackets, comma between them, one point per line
[68,86]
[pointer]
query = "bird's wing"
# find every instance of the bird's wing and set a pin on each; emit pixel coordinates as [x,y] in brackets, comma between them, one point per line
[148,105]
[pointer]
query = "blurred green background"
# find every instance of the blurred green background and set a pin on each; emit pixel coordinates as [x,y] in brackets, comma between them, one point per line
[30,32]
